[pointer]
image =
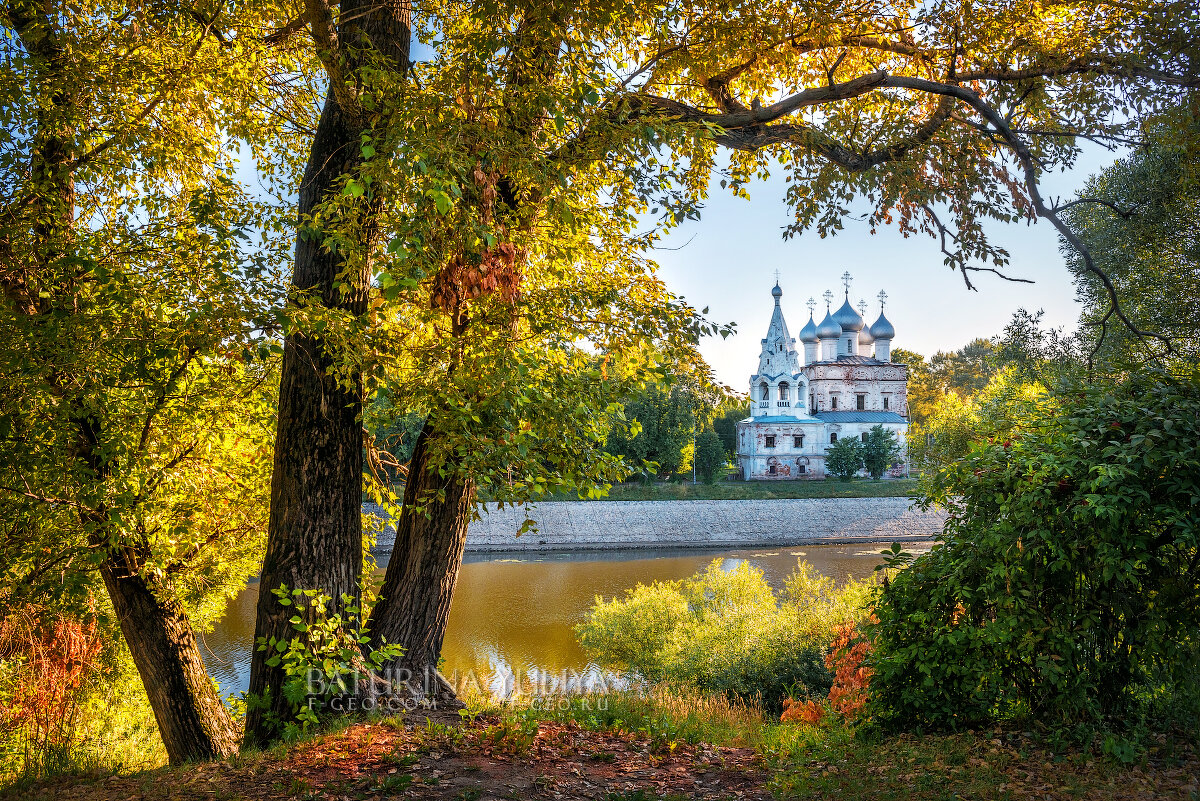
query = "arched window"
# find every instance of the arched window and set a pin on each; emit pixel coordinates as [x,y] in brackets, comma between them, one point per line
[766,391]
[832,438]
[783,390]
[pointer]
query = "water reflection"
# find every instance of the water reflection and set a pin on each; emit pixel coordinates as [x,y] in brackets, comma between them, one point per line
[513,618]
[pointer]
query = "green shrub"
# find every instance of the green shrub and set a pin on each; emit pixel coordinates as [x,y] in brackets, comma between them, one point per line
[1064,585]
[844,458]
[725,631]
[710,456]
[879,451]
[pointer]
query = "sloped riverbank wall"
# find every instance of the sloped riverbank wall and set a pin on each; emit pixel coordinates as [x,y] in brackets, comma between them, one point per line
[607,525]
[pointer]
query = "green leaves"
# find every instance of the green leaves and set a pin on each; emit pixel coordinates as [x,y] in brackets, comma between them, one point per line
[1063,584]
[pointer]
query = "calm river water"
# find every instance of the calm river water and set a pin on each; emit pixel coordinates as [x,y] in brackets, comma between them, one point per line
[513,614]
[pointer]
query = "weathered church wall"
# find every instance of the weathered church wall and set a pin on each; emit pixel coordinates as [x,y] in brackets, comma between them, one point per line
[605,525]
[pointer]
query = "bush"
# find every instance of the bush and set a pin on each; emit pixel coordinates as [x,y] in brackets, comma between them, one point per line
[844,458]
[725,631]
[710,456]
[879,451]
[1064,585]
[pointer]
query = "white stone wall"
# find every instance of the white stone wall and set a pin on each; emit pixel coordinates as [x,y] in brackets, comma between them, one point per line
[699,524]
[755,458]
[846,381]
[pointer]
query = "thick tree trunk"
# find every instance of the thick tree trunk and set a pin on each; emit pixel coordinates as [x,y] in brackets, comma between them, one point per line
[431,533]
[191,719]
[314,534]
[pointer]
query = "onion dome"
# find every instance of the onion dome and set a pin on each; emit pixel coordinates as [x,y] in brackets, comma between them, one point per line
[828,329]
[776,292]
[882,329]
[809,332]
[865,337]
[847,318]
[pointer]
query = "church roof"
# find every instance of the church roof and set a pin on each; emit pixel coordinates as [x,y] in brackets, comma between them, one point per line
[849,360]
[859,417]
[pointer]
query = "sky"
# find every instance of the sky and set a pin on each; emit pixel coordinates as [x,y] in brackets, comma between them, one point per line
[727,262]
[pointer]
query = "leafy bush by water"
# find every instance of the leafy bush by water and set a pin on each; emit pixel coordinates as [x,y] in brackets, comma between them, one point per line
[1064,586]
[725,631]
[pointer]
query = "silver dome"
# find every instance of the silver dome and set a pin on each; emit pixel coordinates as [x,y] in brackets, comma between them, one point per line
[882,329]
[848,318]
[828,329]
[865,337]
[809,332]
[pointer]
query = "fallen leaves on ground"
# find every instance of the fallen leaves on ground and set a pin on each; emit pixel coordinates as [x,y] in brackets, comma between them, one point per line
[482,759]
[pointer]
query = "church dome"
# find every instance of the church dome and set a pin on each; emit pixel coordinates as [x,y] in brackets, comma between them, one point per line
[776,292]
[865,337]
[809,332]
[882,329]
[828,329]
[847,318]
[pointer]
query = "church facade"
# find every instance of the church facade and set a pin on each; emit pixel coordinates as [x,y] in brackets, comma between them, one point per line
[842,385]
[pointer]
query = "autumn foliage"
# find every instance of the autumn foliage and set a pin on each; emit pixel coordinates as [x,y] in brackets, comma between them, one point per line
[846,659]
[47,660]
[851,676]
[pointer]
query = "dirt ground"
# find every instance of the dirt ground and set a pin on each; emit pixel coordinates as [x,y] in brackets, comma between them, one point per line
[483,759]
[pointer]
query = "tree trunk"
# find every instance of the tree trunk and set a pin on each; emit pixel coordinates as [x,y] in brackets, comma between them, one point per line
[191,719]
[314,533]
[431,533]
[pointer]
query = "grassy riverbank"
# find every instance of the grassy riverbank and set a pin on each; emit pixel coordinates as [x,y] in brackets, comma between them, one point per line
[625,747]
[758,490]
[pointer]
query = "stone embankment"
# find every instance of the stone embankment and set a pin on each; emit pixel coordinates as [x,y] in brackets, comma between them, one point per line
[605,525]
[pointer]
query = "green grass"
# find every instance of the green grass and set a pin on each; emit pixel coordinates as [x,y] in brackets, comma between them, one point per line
[759,490]
[832,761]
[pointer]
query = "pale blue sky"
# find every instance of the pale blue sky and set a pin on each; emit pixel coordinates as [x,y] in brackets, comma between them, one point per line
[730,261]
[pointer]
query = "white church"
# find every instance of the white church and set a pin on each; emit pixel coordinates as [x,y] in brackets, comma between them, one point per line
[845,385]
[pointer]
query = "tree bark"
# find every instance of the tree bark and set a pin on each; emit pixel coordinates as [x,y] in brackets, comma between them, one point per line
[191,718]
[314,534]
[431,533]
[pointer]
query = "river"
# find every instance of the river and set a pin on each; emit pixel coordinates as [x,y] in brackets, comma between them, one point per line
[515,614]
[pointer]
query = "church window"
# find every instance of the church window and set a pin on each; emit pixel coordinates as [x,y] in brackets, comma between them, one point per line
[766,391]
[783,391]
[862,402]
[885,401]
[798,441]
[832,438]
[800,468]
[833,401]
[769,441]
[864,436]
